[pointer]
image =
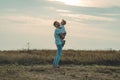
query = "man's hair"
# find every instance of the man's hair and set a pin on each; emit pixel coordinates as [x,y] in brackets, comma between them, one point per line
[54,23]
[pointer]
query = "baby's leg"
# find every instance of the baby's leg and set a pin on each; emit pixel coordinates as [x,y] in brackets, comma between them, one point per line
[63,43]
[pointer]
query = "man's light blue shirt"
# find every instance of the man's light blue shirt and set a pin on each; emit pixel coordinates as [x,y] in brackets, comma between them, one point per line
[57,36]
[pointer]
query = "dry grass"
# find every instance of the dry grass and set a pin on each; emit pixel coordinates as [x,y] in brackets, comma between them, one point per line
[75,65]
[68,72]
[78,57]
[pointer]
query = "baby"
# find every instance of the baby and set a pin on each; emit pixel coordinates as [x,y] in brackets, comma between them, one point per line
[63,31]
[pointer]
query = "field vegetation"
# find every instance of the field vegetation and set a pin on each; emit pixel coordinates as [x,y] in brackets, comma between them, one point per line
[79,57]
[74,65]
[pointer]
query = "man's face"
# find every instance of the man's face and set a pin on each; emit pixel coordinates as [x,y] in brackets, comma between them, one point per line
[57,24]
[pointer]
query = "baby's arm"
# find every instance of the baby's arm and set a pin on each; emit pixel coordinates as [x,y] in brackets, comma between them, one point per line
[62,36]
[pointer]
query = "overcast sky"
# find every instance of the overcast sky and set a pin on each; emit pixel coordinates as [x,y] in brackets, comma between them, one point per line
[91,24]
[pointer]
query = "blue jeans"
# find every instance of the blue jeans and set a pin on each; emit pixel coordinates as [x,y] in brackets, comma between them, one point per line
[58,55]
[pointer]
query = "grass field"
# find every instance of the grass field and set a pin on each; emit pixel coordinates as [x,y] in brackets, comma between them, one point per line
[75,65]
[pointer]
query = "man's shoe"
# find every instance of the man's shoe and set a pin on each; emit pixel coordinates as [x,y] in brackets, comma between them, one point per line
[56,66]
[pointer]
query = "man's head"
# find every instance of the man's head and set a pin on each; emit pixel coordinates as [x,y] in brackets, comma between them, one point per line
[56,24]
[63,22]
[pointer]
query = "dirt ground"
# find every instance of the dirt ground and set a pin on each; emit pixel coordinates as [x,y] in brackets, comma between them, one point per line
[79,73]
[65,72]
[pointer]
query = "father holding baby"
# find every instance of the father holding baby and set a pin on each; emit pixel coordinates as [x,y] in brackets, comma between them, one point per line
[59,35]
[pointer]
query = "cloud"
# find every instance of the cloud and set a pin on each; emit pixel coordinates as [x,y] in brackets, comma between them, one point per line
[100,3]
[25,19]
[90,3]
[112,14]
[63,11]
[28,25]
[91,32]
[16,30]
[87,17]
[87,22]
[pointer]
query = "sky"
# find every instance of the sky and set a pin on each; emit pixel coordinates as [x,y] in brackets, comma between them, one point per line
[91,24]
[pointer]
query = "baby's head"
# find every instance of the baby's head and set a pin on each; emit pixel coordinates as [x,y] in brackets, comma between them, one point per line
[63,22]
[56,24]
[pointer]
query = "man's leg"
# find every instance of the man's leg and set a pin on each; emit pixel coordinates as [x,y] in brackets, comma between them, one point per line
[58,55]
